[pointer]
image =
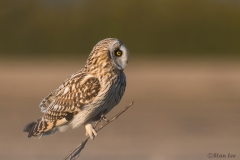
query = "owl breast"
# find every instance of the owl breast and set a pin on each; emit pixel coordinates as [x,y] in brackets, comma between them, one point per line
[110,95]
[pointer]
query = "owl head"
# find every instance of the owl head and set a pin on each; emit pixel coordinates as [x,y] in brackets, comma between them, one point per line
[110,51]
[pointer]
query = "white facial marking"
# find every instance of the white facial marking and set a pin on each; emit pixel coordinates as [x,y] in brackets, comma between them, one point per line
[119,61]
[124,58]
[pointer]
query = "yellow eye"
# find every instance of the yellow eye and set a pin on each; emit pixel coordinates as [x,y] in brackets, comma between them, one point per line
[118,53]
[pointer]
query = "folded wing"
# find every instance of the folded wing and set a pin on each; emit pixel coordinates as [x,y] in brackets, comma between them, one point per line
[63,104]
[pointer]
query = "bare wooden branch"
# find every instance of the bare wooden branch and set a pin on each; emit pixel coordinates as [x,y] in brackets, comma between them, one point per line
[76,152]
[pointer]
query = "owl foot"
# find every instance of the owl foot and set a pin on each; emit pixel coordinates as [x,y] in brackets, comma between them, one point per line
[103,118]
[90,131]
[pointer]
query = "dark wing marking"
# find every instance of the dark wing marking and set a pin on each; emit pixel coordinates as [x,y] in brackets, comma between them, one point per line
[46,102]
[68,101]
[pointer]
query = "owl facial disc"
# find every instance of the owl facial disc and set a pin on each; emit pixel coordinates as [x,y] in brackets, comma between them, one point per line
[119,54]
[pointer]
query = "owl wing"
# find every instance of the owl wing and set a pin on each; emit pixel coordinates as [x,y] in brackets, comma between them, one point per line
[61,105]
[47,101]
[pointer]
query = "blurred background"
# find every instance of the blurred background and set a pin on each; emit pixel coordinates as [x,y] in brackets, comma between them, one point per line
[183,74]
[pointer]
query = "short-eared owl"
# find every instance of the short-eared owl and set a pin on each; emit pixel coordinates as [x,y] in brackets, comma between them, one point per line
[86,95]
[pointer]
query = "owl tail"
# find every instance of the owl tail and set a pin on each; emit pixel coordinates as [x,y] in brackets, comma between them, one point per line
[40,128]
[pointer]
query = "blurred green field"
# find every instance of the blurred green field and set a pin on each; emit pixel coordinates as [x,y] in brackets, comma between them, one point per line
[160,28]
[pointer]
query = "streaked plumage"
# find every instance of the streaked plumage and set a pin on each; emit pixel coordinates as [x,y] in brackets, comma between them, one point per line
[86,95]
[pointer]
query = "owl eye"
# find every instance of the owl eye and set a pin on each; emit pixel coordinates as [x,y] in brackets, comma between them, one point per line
[118,53]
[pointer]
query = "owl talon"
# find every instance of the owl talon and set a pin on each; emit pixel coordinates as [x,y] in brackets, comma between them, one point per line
[90,131]
[103,118]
